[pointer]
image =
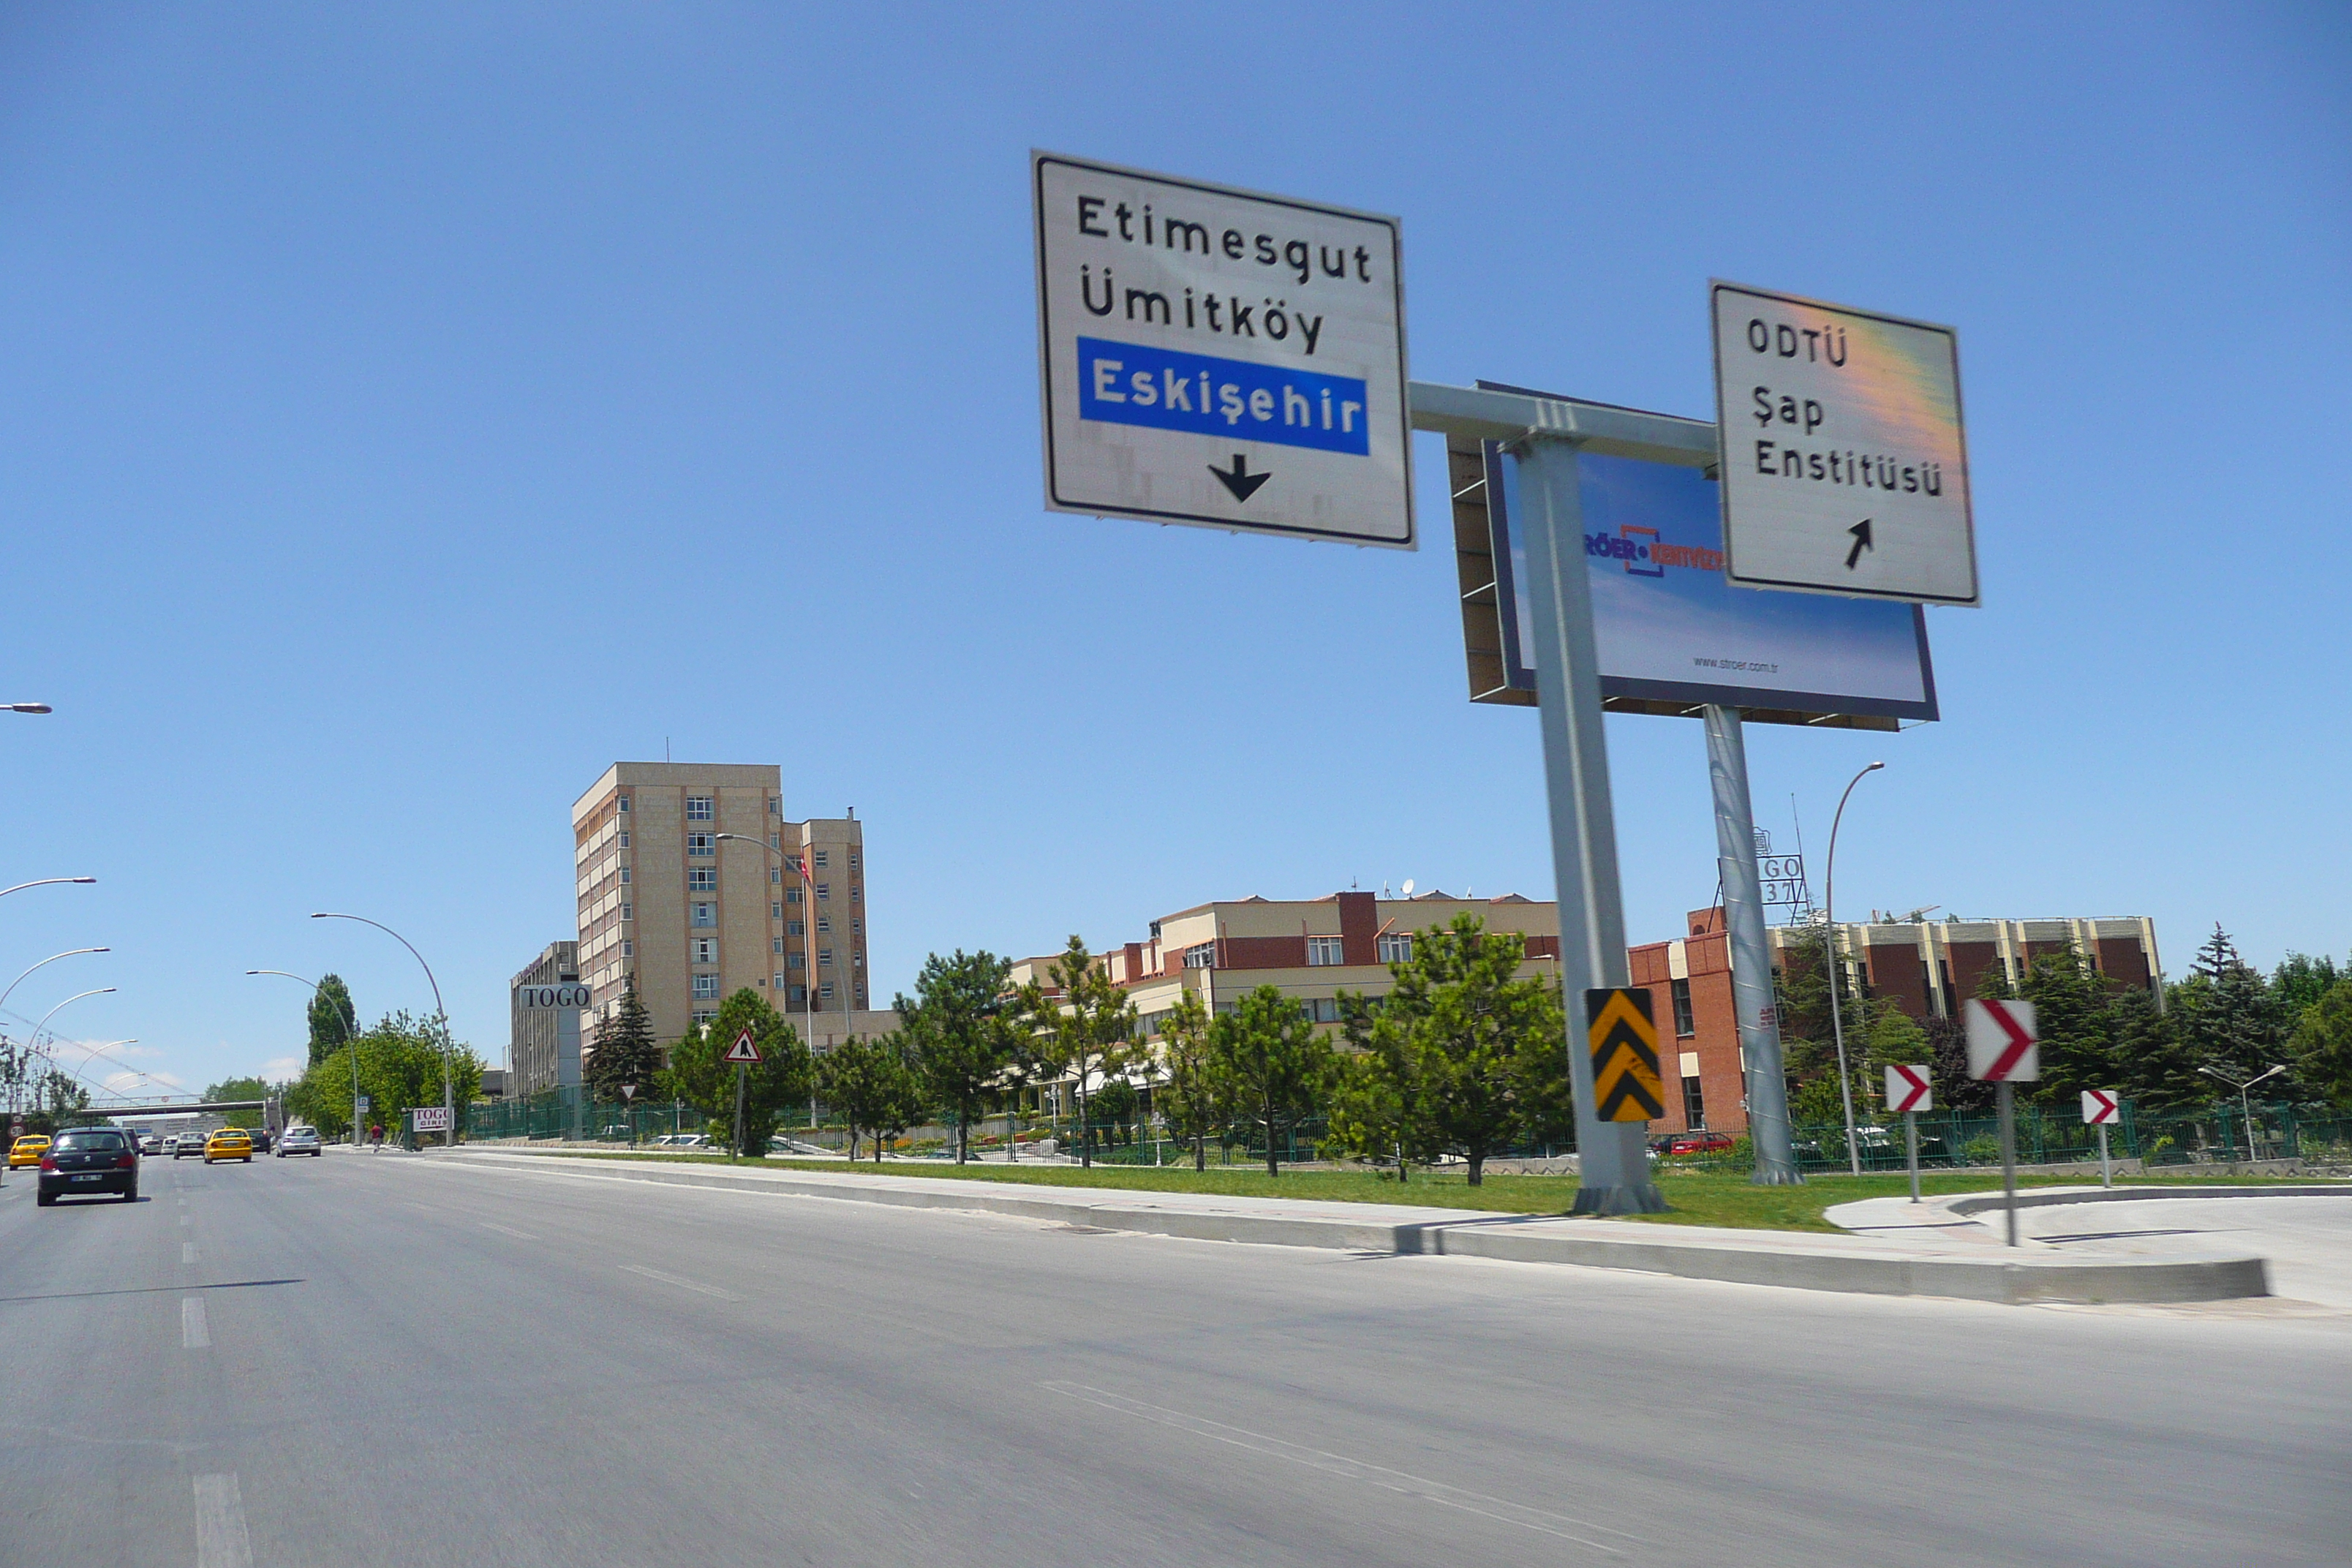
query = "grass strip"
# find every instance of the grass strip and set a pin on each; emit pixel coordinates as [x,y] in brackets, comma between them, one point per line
[1698,1197]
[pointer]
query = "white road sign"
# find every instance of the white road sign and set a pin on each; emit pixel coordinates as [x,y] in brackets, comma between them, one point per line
[1845,465]
[2101,1106]
[1220,357]
[2003,1045]
[429,1119]
[1909,1089]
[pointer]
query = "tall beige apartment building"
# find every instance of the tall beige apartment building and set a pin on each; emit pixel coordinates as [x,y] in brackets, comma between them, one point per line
[694,917]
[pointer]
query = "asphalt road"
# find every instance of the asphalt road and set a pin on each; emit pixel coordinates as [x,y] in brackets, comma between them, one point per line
[398,1360]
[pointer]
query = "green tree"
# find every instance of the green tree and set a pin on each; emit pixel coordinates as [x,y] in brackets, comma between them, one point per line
[699,1074]
[625,1052]
[1476,1058]
[1189,1098]
[1374,1109]
[1894,1039]
[2299,982]
[400,1066]
[1271,1064]
[1800,988]
[872,1084]
[2153,1065]
[1078,1030]
[1947,1043]
[2323,1044]
[240,1088]
[961,1035]
[2074,1015]
[2224,1011]
[334,1020]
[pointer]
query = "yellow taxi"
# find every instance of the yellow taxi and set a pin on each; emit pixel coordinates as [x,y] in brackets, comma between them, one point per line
[229,1144]
[27,1151]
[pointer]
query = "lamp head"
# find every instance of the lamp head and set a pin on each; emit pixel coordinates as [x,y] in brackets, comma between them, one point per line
[85,881]
[1874,767]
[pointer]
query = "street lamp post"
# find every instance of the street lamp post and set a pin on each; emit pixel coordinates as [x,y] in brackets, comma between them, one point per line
[69,952]
[31,1041]
[1837,1014]
[343,1023]
[440,1016]
[2245,1101]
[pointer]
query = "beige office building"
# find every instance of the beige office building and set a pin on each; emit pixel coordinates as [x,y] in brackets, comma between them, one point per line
[695,917]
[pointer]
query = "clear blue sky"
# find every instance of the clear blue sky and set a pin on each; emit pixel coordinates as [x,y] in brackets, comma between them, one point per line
[405,411]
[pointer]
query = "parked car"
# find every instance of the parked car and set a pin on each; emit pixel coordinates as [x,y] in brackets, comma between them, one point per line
[1701,1142]
[89,1161]
[298,1140]
[27,1150]
[229,1143]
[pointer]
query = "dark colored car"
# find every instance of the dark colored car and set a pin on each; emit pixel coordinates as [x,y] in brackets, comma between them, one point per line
[261,1140]
[86,1161]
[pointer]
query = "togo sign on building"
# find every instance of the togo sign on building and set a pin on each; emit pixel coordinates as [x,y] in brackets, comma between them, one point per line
[1218,357]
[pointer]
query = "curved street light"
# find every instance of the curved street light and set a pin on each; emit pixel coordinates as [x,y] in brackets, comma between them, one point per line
[31,1041]
[344,1025]
[42,882]
[440,1016]
[1837,1014]
[2245,1101]
[29,708]
[69,952]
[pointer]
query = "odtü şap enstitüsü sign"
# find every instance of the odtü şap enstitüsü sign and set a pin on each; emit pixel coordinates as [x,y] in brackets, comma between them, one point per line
[1845,465]
[1220,357]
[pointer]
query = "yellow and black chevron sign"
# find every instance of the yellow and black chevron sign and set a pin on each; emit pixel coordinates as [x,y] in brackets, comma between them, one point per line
[1624,1054]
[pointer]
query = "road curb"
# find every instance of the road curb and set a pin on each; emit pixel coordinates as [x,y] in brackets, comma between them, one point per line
[1805,1263]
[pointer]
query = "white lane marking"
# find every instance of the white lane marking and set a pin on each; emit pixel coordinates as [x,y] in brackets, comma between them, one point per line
[1438,1492]
[195,1333]
[682,1284]
[221,1538]
[182,1202]
[506,1230]
[187,1252]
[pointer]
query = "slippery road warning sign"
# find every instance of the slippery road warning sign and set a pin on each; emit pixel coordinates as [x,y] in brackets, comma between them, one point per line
[1908,1089]
[1624,1045]
[2003,1044]
[1217,356]
[745,1050]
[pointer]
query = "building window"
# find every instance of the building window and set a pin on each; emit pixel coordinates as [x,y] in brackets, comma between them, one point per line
[625,802]
[1324,950]
[780,980]
[793,961]
[824,957]
[775,841]
[625,838]
[775,944]
[706,950]
[628,949]
[796,928]
[853,859]
[856,893]
[824,923]
[702,878]
[702,912]
[628,911]
[824,992]
[824,891]
[819,860]
[799,995]
[1694,1103]
[625,876]
[775,912]
[706,986]
[1684,1024]
[702,843]
[1200,955]
[698,808]
[1396,947]
[856,961]
[792,895]
[856,924]
[1320,1009]
[775,805]
[705,1015]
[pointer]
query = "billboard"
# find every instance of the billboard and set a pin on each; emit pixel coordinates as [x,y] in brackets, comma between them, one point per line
[1671,632]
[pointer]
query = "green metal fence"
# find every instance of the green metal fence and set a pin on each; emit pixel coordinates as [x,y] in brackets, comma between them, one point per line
[2220,1136]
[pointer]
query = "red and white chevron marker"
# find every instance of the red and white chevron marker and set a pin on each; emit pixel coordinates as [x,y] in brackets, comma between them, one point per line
[1907,1088]
[2101,1106]
[2002,1046]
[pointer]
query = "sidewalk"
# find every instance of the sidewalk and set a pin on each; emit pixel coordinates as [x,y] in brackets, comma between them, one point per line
[1913,1265]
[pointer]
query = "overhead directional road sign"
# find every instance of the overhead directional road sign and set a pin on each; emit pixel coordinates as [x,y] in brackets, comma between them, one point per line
[1844,462]
[1219,356]
[1623,1040]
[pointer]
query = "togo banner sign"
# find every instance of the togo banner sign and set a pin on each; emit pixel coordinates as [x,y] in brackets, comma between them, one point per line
[1624,1043]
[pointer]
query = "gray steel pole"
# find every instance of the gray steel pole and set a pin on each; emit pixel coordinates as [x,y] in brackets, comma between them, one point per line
[1752,957]
[1911,1148]
[2107,1172]
[2006,1101]
[1611,1161]
[1837,1012]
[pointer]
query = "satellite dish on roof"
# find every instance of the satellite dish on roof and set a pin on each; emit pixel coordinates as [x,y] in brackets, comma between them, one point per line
[1408,886]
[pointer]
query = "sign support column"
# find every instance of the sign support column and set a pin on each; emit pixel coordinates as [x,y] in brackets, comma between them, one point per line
[1752,958]
[1611,1159]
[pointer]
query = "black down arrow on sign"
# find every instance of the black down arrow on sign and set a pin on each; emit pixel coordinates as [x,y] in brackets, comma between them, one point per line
[1241,481]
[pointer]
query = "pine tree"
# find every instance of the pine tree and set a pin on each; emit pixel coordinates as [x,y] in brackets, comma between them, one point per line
[2226,1015]
[2155,1069]
[2322,1046]
[625,1052]
[333,1019]
[2073,1015]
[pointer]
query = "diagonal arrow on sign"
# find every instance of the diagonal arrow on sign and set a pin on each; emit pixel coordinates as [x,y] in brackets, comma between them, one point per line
[1907,1088]
[2002,1038]
[2099,1106]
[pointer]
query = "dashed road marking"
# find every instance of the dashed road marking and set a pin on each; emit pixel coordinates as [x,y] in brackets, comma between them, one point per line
[195,1333]
[187,1252]
[221,1538]
[681,1282]
[506,1230]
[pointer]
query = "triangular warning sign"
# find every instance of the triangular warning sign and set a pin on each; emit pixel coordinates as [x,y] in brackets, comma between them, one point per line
[744,1049]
